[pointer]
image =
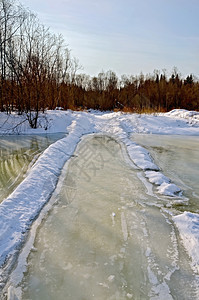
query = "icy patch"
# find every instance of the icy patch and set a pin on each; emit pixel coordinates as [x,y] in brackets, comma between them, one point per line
[12,294]
[124,227]
[111,278]
[158,290]
[161,291]
[113,218]
[188,226]
[147,184]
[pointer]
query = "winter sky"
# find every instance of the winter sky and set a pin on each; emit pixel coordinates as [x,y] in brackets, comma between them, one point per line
[126,36]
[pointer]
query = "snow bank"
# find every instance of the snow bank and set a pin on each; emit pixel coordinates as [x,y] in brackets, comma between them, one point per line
[183,113]
[164,185]
[191,117]
[141,157]
[188,226]
[168,189]
[157,177]
[178,122]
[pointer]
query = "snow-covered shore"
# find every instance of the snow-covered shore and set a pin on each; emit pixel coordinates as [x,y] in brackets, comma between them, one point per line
[18,211]
[177,121]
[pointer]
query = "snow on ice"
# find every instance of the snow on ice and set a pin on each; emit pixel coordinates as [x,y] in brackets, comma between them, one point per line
[188,226]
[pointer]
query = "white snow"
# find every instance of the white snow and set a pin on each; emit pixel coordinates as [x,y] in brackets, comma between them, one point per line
[168,189]
[165,187]
[18,211]
[50,122]
[157,177]
[192,116]
[140,156]
[188,226]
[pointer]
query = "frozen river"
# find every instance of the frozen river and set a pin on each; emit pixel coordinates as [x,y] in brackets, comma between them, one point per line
[106,237]
[17,154]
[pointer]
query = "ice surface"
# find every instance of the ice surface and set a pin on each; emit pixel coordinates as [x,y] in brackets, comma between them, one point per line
[81,255]
[18,211]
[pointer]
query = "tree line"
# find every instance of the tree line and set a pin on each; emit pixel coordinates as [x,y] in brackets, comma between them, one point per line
[38,72]
[152,92]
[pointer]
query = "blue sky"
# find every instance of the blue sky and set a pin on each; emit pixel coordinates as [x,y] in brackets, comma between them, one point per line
[126,36]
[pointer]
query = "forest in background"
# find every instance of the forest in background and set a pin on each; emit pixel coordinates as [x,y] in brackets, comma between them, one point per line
[37,72]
